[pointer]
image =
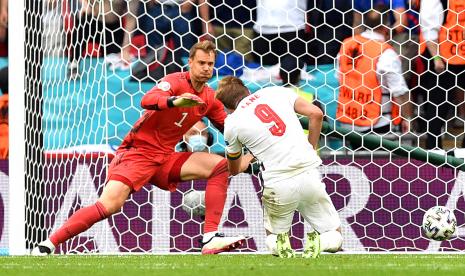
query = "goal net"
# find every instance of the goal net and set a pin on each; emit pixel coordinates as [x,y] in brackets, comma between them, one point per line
[88,64]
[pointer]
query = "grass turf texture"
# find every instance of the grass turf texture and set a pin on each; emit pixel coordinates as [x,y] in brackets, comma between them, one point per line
[236,264]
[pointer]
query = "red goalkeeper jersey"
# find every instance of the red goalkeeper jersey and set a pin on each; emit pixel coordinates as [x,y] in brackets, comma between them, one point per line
[162,127]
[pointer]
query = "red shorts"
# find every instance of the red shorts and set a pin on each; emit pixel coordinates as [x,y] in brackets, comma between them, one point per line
[136,168]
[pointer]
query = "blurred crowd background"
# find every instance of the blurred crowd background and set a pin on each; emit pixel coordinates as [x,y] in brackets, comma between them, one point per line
[389,67]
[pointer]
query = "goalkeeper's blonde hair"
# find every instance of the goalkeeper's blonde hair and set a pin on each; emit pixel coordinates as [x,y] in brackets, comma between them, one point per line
[207,46]
[231,90]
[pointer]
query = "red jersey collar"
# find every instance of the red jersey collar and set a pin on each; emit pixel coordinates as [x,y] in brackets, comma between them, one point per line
[188,76]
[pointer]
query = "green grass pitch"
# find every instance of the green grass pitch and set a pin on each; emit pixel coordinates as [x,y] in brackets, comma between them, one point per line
[235,264]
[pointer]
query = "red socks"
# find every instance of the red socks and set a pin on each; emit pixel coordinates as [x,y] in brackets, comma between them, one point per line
[215,196]
[79,222]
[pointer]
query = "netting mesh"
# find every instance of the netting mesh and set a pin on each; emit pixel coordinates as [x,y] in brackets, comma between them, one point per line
[90,62]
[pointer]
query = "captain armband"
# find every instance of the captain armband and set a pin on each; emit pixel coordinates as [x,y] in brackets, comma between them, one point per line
[234,156]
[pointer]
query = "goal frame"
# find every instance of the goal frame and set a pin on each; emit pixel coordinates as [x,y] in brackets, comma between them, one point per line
[17,165]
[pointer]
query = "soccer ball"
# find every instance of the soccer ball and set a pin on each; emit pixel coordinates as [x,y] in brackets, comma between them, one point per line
[193,202]
[439,223]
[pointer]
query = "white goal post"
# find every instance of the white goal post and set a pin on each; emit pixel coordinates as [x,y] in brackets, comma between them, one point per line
[17,171]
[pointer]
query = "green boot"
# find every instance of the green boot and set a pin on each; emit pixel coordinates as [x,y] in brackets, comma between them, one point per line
[284,246]
[312,246]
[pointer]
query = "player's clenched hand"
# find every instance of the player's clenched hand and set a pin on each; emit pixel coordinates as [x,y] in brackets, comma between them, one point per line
[187,100]
[246,163]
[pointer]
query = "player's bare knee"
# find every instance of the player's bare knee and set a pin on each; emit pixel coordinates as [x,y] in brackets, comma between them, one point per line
[114,195]
[111,207]
[200,165]
[112,204]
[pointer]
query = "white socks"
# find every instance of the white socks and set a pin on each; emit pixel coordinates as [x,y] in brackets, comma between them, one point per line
[271,244]
[330,241]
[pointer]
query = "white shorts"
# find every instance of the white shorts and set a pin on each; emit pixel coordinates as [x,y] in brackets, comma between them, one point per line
[305,193]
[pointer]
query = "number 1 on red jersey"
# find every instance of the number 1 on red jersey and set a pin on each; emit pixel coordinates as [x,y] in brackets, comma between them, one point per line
[184,115]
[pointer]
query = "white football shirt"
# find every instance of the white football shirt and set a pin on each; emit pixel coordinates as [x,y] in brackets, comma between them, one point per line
[265,122]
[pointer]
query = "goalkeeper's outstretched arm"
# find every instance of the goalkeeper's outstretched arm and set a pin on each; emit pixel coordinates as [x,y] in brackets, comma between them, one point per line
[315,119]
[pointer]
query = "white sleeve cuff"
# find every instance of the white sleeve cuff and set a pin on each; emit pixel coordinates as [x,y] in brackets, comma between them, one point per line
[430,35]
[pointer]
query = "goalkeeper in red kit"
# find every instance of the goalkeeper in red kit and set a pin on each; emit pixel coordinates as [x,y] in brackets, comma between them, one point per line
[147,154]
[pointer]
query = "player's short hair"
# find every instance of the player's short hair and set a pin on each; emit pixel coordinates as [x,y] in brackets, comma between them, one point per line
[206,46]
[230,91]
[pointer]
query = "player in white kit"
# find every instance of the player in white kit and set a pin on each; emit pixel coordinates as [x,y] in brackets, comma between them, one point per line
[266,124]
